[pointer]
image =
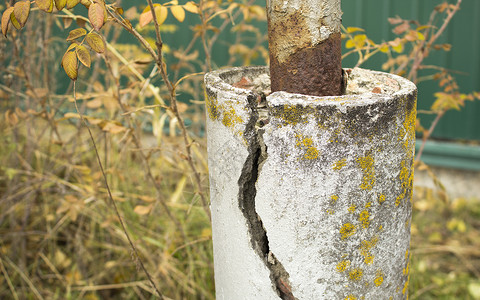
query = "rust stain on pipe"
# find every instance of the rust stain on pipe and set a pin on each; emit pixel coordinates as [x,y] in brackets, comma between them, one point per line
[299,62]
[310,71]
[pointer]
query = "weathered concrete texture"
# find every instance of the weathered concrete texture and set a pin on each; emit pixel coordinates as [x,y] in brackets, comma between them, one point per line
[240,272]
[333,188]
[304,40]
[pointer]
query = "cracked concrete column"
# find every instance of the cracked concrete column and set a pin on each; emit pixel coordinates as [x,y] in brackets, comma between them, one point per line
[310,196]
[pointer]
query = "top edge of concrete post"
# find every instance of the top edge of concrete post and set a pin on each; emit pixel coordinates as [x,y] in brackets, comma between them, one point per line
[310,196]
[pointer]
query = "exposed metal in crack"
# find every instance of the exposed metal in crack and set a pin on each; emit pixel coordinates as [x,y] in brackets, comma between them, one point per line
[246,201]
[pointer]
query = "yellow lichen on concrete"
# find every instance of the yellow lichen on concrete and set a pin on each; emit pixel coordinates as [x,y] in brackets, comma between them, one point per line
[367,165]
[306,143]
[406,181]
[347,230]
[407,136]
[364,218]
[378,278]
[355,274]
[340,164]
[212,109]
[352,208]
[343,265]
[230,118]
[350,297]
[409,127]
[381,198]
[224,112]
[312,153]
[291,115]
[365,249]
[406,270]
[405,287]
[334,198]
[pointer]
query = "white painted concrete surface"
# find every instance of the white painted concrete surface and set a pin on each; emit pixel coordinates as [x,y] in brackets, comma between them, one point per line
[331,189]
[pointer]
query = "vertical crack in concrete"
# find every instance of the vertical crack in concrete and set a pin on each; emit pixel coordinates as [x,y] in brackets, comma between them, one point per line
[246,202]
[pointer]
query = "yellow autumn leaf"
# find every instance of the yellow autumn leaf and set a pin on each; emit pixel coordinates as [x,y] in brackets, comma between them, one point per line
[398,48]
[83,55]
[178,190]
[21,11]
[15,22]
[142,209]
[350,44]
[6,20]
[76,33]
[360,40]
[72,46]
[11,117]
[86,3]
[72,3]
[161,12]
[96,15]
[257,11]
[384,48]
[145,17]
[95,41]
[95,103]
[354,29]
[70,115]
[113,128]
[191,7]
[420,36]
[45,5]
[60,4]
[178,12]
[70,65]
[206,232]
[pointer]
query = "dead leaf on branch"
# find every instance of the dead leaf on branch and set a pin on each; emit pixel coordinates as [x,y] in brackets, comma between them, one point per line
[70,65]
[45,5]
[60,4]
[21,12]
[96,15]
[76,33]
[178,12]
[83,55]
[95,41]
[72,3]
[6,20]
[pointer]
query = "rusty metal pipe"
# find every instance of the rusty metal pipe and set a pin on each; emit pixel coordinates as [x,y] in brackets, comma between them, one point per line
[305,46]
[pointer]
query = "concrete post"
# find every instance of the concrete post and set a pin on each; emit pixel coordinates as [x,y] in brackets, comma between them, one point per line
[310,196]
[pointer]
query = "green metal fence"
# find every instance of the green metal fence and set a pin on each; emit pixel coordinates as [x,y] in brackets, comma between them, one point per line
[372,15]
[464,36]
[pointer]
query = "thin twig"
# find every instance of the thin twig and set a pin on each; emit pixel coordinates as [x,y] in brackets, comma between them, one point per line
[114,204]
[24,277]
[423,53]
[9,282]
[428,134]
[173,105]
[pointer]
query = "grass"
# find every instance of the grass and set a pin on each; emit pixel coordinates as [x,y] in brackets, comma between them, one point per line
[60,238]
[445,247]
